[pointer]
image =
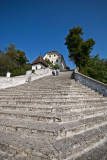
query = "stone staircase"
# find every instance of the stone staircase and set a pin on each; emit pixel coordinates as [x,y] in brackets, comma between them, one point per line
[53,118]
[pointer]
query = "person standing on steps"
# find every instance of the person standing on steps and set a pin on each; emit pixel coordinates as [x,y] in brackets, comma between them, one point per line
[57,73]
[53,72]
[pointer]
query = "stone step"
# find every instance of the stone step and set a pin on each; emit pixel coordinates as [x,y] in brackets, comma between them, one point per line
[72,94]
[54,89]
[44,95]
[66,117]
[23,147]
[51,98]
[57,87]
[96,153]
[54,97]
[78,108]
[53,102]
[46,86]
[52,117]
[52,84]
[53,130]
[68,148]
[5,156]
[50,92]
[83,125]
[54,109]
[44,148]
[30,127]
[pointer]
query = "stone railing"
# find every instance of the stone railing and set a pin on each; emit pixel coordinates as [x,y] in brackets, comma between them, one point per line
[6,82]
[90,82]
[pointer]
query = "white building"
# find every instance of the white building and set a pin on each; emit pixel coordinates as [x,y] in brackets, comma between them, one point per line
[39,63]
[56,58]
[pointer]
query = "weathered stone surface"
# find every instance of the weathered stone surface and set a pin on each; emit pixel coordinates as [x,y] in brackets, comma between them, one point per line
[91,83]
[53,118]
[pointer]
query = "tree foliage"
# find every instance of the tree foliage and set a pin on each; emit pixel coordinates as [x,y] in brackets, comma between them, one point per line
[48,62]
[79,50]
[79,53]
[96,68]
[13,61]
[56,66]
[4,64]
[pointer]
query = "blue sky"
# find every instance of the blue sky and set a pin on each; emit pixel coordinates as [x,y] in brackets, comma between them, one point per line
[40,26]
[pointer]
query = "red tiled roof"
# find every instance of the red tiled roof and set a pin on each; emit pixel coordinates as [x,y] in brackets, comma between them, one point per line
[39,60]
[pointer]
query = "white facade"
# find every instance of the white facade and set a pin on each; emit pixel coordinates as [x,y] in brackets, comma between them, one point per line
[38,66]
[56,58]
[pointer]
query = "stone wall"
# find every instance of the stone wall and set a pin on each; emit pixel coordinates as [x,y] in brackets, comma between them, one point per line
[90,82]
[42,71]
[6,82]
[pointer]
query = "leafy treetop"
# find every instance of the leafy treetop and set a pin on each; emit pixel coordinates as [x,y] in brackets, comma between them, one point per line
[79,50]
[14,61]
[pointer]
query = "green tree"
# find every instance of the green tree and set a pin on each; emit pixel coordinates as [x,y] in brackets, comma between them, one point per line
[79,50]
[96,68]
[56,66]
[22,60]
[14,61]
[48,62]
[4,64]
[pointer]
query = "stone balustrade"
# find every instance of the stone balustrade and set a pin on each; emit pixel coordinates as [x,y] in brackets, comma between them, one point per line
[90,82]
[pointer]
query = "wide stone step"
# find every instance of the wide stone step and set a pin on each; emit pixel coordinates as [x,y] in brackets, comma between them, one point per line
[44,148]
[82,115]
[53,102]
[23,147]
[18,94]
[52,97]
[78,108]
[72,93]
[97,153]
[5,156]
[25,108]
[53,130]
[54,109]
[37,116]
[55,95]
[83,125]
[86,90]
[30,127]
[38,87]
[68,148]
[48,85]
[53,117]
[33,88]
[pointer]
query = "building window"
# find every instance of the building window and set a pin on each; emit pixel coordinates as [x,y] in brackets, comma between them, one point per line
[57,61]
[52,61]
[54,55]
[49,56]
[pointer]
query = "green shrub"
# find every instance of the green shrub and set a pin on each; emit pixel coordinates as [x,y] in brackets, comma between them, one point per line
[56,66]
